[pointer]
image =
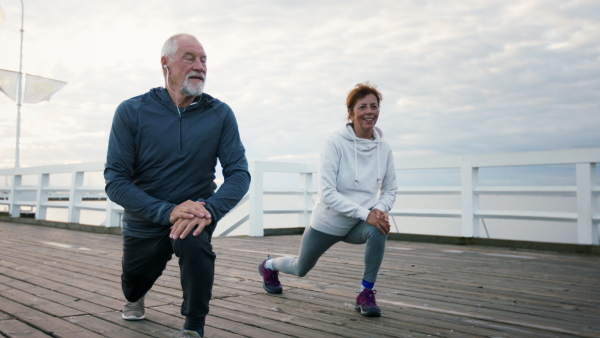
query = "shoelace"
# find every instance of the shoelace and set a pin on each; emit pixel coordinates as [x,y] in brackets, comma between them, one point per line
[139,305]
[370,297]
[273,277]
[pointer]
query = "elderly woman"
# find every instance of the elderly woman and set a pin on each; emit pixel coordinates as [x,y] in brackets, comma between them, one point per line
[357,190]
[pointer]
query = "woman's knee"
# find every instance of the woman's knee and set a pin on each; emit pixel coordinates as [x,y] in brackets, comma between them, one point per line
[302,273]
[373,232]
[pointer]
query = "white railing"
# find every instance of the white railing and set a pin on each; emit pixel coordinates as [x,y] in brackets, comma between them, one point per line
[251,211]
[585,191]
[306,190]
[69,193]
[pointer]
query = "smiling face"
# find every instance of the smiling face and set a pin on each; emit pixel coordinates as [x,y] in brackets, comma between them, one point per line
[186,73]
[364,116]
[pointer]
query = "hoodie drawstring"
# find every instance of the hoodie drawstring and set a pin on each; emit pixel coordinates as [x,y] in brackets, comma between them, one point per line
[356,165]
[378,167]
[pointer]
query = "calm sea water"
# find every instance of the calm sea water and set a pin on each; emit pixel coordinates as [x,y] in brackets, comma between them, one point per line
[544,231]
[489,228]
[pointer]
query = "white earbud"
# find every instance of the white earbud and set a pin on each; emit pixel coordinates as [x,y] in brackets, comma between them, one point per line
[169,89]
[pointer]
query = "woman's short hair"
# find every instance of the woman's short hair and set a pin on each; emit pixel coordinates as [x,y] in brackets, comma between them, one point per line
[360,91]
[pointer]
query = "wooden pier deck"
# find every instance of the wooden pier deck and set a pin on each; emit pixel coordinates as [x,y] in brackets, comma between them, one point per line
[65,283]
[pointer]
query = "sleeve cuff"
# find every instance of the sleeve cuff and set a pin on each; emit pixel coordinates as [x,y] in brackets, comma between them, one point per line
[380,207]
[363,213]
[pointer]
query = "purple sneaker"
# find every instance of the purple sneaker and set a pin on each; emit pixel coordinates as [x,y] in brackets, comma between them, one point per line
[270,278]
[365,303]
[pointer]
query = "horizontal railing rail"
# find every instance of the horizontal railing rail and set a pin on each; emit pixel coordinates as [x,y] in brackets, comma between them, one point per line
[41,196]
[76,196]
[585,191]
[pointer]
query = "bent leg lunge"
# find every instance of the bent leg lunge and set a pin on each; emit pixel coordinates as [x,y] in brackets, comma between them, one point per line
[144,260]
[374,252]
[197,265]
[313,246]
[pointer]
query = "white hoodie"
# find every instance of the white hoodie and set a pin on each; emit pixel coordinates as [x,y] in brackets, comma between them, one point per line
[356,175]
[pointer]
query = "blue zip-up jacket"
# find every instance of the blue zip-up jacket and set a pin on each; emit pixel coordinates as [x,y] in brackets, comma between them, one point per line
[158,159]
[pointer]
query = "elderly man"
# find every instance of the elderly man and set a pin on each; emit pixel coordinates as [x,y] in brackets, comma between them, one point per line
[162,155]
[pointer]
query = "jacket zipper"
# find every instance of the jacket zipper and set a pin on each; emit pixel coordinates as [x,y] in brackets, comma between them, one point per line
[180,131]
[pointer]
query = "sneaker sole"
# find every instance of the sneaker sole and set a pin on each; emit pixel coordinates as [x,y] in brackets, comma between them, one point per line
[373,313]
[132,317]
[263,284]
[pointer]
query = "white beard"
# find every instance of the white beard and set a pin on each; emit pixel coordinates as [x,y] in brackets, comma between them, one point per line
[189,89]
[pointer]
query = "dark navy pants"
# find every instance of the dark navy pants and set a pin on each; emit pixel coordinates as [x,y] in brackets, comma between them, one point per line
[144,260]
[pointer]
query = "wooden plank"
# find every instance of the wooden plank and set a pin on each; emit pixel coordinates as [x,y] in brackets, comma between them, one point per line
[15,328]
[112,325]
[69,281]
[231,322]
[334,317]
[48,324]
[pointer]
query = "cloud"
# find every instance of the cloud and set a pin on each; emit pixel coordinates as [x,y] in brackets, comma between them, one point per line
[458,77]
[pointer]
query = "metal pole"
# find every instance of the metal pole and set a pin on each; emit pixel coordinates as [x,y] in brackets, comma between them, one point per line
[19,88]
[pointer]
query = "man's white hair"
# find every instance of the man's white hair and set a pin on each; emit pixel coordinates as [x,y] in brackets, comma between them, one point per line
[170,46]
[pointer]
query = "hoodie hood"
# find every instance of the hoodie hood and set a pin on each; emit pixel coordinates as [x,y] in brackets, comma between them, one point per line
[347,132]
[362,145]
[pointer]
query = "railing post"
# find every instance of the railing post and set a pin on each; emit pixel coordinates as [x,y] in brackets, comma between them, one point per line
[307,202]
[75,197]
[42,197]
[469,178]
[256,201]
[14,208]
[587,232]
[113,217]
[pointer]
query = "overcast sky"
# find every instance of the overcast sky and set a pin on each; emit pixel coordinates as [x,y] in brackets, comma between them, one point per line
[457,77]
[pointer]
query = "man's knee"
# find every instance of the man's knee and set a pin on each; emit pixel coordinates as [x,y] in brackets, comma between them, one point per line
[197,246]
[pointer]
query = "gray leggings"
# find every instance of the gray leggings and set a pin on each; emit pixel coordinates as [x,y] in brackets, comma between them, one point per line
[315,243]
